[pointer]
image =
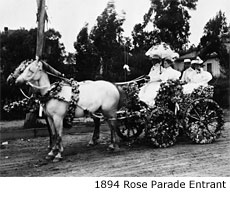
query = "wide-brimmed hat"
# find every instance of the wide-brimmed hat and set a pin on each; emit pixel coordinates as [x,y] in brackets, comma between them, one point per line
[197,61]
[155,57]
[194,62]
[187,61]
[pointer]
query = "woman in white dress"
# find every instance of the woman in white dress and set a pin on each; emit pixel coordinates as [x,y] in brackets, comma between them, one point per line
[199,78]
[158,74]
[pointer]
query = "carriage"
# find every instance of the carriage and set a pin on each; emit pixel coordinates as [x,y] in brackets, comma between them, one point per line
[195,115]
[175,114]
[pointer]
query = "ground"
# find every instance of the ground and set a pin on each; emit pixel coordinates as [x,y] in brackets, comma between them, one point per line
[25,157]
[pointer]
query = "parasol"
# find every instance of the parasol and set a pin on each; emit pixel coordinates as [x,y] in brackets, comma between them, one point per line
[162,51]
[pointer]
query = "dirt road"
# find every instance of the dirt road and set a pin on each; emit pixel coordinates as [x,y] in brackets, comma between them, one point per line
[25,157]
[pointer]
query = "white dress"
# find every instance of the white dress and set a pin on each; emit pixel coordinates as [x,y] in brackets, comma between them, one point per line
[197,79]
[149,91]
[187,74]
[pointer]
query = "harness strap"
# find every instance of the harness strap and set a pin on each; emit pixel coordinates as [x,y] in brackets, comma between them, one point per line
[25,94]
[87,112]
[37,87]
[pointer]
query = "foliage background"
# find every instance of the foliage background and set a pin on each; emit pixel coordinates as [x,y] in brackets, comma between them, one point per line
[101,52]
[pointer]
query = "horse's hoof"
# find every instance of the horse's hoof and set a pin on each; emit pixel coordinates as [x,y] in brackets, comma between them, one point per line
[113,148]
[49,157]
[57,159]
[92,143]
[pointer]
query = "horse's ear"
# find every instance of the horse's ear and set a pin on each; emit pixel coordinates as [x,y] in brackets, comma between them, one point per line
[37,58]
[40,65]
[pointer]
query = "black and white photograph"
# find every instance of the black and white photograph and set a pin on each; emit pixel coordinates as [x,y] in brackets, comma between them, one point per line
[116,88]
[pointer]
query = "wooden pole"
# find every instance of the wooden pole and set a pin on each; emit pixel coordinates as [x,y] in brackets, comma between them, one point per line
[31,117]
[41,18]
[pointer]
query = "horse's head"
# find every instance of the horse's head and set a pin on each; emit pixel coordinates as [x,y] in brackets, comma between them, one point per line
[31,73]
[13,76]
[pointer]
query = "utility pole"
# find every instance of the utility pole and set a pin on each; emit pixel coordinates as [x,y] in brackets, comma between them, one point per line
[41,18]
[31,117]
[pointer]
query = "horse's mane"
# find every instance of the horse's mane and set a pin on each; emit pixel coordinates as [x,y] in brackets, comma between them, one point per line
[23,66]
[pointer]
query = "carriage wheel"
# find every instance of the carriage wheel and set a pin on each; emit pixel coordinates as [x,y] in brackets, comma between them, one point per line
[162,128]
[129,128]
[204,121]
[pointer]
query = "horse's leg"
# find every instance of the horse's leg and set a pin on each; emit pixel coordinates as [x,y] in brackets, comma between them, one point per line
[53,136]
[96,132]
[58,124]
[112,122]
[50,133]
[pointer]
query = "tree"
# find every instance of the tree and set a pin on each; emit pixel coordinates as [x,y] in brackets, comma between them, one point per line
[143,39]
[170,23]
[19,45]
[211,41]
[87,58]
[16,47]
[107,38]
[54,51]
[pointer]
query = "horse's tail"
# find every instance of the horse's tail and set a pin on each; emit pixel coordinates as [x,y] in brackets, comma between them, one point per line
[123,96]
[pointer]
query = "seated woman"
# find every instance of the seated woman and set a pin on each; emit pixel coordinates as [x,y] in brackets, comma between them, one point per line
[199,78]
[157,75]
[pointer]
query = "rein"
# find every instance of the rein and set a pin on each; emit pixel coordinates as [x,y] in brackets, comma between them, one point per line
[132,81]
[38,87]
[56,76]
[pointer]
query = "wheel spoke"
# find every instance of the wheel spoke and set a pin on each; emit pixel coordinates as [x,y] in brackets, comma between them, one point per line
[132,129]
[206,109]
[213,118]
[211,115]
[194,117]
[196,113]
[128,132]
[211,111]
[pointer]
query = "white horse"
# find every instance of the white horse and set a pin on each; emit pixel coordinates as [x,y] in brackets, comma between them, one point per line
[94,95]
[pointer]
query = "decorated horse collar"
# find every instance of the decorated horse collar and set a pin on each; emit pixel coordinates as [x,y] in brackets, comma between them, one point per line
[55,89]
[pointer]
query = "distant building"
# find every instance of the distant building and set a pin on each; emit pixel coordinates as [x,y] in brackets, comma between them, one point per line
[212,65]
[211,61]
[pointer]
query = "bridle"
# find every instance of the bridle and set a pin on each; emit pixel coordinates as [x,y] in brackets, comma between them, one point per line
[28,82]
